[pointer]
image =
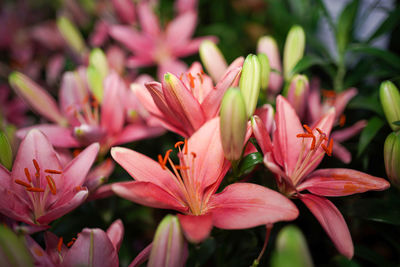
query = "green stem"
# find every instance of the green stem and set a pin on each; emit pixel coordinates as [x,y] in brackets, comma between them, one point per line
[341,71]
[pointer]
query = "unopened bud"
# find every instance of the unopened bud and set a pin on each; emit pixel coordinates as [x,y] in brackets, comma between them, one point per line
[291,249]
[265,70]
[297,94]
[391,155]
[213,60]
[98,59]
[390,100]
[97,72]
[294,50]
[250,83]
[6,155]
[169,246]
[71,34]
[233,123]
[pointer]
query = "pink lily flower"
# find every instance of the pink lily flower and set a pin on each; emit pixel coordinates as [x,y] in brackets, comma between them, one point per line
[154,45]
[39,189]
[293,156]
[92,246]
[190,187]
[316,109]
[182,105]
[12,109]
[80,121]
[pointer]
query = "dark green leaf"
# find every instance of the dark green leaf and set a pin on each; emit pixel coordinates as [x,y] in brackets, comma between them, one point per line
[369,103]
[387,25]
[306,62]
[396,122]
[369,132]
[248,163]
[388,57]
[345,26]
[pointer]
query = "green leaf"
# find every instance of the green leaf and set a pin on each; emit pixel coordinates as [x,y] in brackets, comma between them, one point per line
[248,163]
[369,103]
[368,133]
[387,25]
[6,155]
[306,62]
[388,57]
[396,123]
[345,26]
[13,251]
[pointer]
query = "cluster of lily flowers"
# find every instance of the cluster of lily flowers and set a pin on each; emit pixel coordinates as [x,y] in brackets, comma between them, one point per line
[65,159]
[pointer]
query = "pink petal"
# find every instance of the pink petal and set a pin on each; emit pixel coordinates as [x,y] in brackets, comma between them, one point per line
[266,114]
[63,206]
[144,169]
[125,10]
[183,6]
[148,194]
[343,98]
[140,61]
[182,103]
[92,248]
[212,102]
[347,133]
[112,109]
[54,68]
[99,174]
[15,207]
[209,165]
[314,101]
[148,20]
[39,256]
[103,191]
[342,182]
[332,221]
[261,134]
[173,66]
[192,46]
[75,172]
[132,39]
[38,98]
[51,241]
[136,132]
[341,152]
[196,228]
[116,233]
[179,31]
[57,135]
[286,145]
[142,257]
[245,205]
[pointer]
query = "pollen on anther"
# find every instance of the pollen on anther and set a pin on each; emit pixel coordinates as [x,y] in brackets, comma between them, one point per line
[27,174]
[342,120]
[20,182]
[52,171]
[52,184]
[308,129]
[319,130]
[200,77]
[179,143]
[70,243]
[59,244]
[186,147]
[194,154]
[36,164]
[161,162]
[191,80]
[35,189]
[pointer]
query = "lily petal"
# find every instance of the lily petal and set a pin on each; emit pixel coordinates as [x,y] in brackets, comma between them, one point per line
[332,221]
[116,233]
[142,256]
[245,205]
[261,134]
[196,228]
[347,133]
[179,31]
[148,194]
[342,182]
[136,132]
[132,39]
[341,152]
[148,20]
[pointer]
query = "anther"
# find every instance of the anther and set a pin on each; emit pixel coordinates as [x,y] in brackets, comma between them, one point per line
[52,184]
[186,147]
[191,80]
[342,120]
[200,77]
[308,129]
[179,167]
[194,154]
[319,130]
[179,143]
[20,182]
[70,243]
[161,161]
[78,188]
[36,164]
[59,244]
[76,152]
[28,175]
[35,189]
[52,171]
[166,157]
[328,93]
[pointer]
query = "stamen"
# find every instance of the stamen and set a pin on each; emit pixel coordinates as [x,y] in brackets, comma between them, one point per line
[308,129]
[53,171]
[76,152]
[161,161]
[194,154]
[59,244]
[305,135]
[78,188]
[191,80]
[328,149]
[200,77]
[179,143]
[342,120]
[179,167]
[319,130]
[70,243]
[166,156]
[28,175]
[52,184]
[35,189]
[36,167]
[308,136]
[85,99]
[181,76]
[328,93]
[20,182]
[186,147]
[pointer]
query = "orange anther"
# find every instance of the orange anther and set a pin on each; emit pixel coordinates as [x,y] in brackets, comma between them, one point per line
[304,135]
[70,243]
[191,80]
[202,71]
[59,244]
[181,76]
[53,171]
[178,143]
[308,129]
[166,156]
[95,103]
[330,147]
[186,147]
[52,184]
[35,189]
[194,154]
[200,77]
[85,99]
[161,161]
[28,175]
[179,167]
[38,251]
[20,182]
[36,167]
[78,188]
[342,120]
[313,143]
[319,130]
[328,93]
[76,152]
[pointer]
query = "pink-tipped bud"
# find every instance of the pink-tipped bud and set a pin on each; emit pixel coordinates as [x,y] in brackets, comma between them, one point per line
[233,123]
[297,94]
[169,246]
[268,46]
[391,154]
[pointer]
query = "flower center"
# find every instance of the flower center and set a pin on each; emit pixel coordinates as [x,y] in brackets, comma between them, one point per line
[184,175]
[310,155]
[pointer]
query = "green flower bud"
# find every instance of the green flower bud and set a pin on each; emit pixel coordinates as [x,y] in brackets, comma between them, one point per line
[98,59]
[390,99]
[71,34]
[95,81]
[265,70]
[294,50]
[291,249]
[233,123]
[249,83]
[169,246]
[391,155]
[6,155]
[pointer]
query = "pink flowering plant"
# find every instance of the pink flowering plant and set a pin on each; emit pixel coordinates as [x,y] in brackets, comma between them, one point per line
[142,133]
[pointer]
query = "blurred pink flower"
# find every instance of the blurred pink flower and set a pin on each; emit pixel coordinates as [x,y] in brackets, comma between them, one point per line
[293,156]
[191,187]
[39,189]
[154,45]
[12,109]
